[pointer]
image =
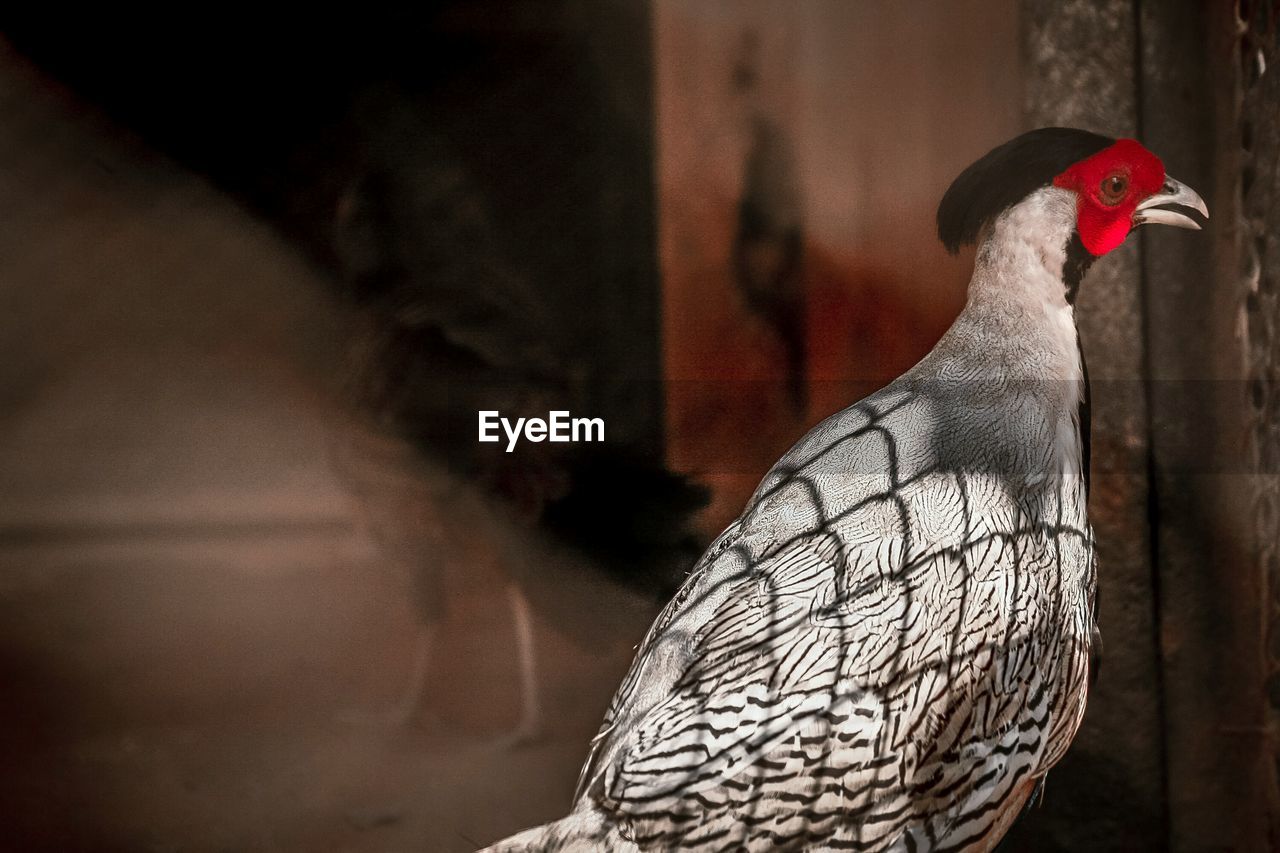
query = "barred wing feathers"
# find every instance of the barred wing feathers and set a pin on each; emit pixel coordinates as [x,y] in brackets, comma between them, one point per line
[879,661]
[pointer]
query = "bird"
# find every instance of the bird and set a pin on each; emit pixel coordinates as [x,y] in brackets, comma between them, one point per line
[889,649]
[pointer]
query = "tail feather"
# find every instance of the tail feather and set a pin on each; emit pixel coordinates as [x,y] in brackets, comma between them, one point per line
[582,832]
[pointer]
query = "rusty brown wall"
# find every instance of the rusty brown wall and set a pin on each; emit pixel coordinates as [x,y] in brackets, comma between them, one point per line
[841,124]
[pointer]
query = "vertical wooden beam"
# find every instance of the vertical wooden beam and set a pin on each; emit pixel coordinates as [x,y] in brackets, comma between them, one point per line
[1251,257]
[1080,71]
[1212,596]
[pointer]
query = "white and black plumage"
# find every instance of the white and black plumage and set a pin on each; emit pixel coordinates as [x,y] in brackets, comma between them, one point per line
[889,649]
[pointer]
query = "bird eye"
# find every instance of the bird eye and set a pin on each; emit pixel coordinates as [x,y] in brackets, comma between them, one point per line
[1113,188]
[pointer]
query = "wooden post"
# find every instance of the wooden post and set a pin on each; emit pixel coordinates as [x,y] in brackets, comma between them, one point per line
[1108,793]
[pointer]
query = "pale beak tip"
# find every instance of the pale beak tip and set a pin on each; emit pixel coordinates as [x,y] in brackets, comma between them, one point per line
[1156,208]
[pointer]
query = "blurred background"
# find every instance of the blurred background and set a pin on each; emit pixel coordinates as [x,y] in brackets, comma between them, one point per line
[262,589]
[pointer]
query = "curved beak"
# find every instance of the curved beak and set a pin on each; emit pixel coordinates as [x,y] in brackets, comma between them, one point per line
[1172,194]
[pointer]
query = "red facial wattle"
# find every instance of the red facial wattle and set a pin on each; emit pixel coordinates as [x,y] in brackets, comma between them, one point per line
[1103,223]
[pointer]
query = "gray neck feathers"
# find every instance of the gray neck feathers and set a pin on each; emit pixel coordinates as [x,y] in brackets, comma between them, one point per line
[1022,254]
[1012,358]
[1018,320]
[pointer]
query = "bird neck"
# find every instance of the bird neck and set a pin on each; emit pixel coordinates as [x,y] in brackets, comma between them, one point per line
[1020,307]
[1013,356]
[1032,252]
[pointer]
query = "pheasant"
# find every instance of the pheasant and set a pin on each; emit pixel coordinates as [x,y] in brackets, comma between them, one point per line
[889,648]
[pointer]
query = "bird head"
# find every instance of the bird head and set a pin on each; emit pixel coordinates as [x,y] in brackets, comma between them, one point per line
[1122,186]
[1108,188]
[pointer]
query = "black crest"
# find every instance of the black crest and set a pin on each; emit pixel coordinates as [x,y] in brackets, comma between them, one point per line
[1007,175]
